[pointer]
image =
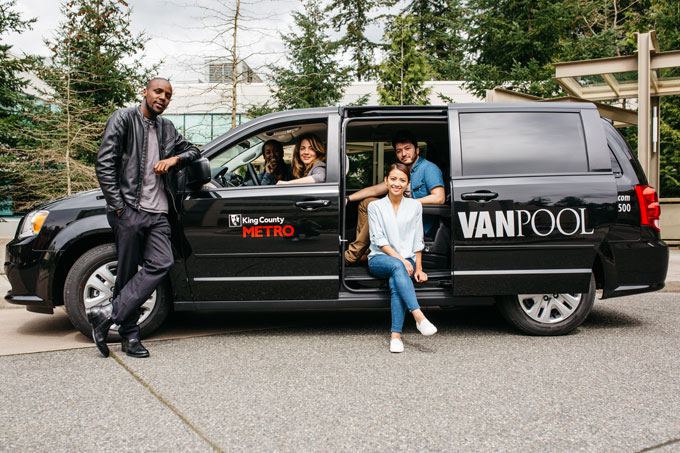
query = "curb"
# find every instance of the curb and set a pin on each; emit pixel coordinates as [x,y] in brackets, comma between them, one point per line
[671,287]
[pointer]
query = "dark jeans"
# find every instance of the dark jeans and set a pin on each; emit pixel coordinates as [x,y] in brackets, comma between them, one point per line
[142,239]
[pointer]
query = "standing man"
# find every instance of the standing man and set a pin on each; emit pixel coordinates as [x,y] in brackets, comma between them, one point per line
[426,185]
[138,150]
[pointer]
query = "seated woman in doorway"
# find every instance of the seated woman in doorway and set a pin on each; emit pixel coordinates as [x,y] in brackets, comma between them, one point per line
[275,169]
[309,161]
[396,230]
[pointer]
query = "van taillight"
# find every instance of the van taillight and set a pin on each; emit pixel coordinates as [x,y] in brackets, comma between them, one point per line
[650,210]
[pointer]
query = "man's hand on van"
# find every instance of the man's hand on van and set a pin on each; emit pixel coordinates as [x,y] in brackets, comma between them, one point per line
[162,166]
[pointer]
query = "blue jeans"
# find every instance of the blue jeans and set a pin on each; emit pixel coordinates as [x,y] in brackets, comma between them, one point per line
[401,286]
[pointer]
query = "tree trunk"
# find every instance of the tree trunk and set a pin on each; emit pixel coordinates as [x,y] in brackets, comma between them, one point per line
[234,67]
[68,121]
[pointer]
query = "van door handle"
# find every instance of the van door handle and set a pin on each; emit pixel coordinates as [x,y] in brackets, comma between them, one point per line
[310,205]
[480,195]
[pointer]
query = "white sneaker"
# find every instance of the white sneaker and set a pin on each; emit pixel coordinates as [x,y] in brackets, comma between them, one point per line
[426,328]
[396,345]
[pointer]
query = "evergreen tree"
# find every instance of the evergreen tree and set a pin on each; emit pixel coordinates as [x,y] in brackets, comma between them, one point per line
[313,78]
[95,68]
[513,43]
[13,100]
[96,47]
[404,68]
[440,25]
[12,85]
[353,15]
[93,71]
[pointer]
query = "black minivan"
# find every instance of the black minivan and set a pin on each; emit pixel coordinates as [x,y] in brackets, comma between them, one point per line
[545,204]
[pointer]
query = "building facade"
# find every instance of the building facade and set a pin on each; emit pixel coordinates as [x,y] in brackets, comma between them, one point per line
[202,111]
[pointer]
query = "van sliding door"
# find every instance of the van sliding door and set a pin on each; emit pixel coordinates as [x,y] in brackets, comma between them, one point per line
[532,198]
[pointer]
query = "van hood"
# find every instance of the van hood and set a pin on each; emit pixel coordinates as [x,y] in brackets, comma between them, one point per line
[84,200]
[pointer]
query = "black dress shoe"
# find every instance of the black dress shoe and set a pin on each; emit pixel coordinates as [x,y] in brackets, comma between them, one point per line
[134,348]
[99,317]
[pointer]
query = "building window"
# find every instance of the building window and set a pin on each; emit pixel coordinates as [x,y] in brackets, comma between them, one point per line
[224,73]
[201,128]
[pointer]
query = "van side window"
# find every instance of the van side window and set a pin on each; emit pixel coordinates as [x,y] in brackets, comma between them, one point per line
[616,167]
[522,143]
[244,162]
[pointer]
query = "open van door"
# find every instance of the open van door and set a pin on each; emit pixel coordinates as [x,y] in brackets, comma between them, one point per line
[254,242]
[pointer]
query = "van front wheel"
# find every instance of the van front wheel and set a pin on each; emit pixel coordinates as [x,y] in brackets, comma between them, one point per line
[548,314]
[90,282]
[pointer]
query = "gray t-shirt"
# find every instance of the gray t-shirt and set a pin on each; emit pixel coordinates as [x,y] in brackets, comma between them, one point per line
[153,196]
[318,171]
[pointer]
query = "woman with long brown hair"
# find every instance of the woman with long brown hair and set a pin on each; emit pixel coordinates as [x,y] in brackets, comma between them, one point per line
[309,161]
[396,229]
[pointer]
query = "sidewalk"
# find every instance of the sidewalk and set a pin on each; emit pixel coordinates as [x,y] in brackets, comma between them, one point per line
[4,287]
[673,277]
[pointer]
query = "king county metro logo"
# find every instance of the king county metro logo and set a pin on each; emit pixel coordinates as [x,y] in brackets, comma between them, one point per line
[261,226]
[234,220]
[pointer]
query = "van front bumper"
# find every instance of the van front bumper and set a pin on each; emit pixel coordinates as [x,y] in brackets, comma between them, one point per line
[22,268]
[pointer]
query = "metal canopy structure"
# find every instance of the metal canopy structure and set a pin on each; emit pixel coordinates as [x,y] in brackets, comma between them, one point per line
[621,76]
[647,76]
[620,117]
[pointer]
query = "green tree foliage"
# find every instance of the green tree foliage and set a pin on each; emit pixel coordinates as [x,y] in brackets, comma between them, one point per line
[12,99]
[669,164]
[257,110]
[94,70]
[12,84]
[665,19]
[95,45]
[404,68]
[440,25]
[314,78]
[513,43]
[96,67]
[353,16]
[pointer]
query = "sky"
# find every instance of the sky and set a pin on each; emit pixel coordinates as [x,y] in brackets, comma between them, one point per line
[179,34]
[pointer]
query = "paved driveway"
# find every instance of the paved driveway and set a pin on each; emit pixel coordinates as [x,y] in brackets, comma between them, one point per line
[325,381]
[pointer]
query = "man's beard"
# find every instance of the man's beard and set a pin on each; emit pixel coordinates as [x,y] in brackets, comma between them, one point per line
[408,164]
[151,108]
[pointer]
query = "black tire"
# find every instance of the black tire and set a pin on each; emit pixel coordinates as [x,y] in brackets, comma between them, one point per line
[567,311]
[92,264]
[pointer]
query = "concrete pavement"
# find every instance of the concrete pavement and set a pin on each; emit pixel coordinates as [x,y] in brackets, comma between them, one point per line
[325,381]
[330,384]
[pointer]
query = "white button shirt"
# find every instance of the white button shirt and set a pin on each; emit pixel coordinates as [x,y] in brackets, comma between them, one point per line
[402,230]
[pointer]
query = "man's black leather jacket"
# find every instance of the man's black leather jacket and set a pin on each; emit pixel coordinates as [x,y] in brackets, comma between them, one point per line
[122,158]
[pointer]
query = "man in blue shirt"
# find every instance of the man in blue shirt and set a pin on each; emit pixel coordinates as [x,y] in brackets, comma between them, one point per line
[427,186]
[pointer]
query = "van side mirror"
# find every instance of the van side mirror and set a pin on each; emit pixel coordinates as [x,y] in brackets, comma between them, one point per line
[198,173]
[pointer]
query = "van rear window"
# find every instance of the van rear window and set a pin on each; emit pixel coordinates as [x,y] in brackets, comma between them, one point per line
[505,143]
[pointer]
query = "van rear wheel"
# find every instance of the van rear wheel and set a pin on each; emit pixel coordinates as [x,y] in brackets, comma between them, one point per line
[548,314]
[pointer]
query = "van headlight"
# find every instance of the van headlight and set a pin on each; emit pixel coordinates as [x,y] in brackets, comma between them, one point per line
[32,224]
